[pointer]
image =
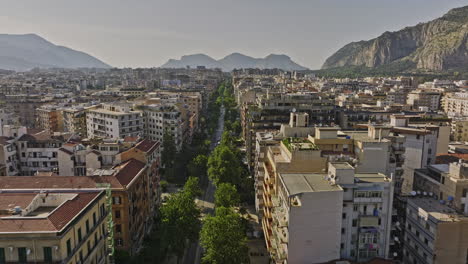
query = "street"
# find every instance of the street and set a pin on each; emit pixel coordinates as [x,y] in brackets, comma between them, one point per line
[193,253]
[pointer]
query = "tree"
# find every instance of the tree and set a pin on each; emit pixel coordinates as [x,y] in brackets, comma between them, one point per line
[180,219]
[198,166]
[169,150]
[223,237]
[223,166]
[226,195]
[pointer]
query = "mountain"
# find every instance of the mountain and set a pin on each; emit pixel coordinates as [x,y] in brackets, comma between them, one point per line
[235,61]
[438,45]
[24,52]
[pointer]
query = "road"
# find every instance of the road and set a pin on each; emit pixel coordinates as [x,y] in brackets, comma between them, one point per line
[194,252]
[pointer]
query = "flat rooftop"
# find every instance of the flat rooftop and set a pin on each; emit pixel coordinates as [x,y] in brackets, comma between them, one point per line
[342,165]
[307,182]
[361,136]
[371,177]
[436,209]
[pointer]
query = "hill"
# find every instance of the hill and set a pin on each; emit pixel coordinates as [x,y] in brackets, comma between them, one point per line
[235,61]
[438,45]
[24,52]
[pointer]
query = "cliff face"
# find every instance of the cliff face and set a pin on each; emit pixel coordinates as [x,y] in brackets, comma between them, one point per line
[440,44]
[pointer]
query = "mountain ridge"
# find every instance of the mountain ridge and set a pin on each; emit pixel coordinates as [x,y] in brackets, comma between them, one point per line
[440,44]
[235,60]
[22,52]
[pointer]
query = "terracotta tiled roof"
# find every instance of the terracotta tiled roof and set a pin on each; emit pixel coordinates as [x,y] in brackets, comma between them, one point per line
[131,139]
[62,216]
[128,170]
[54,222]
[49,182]
[147,145]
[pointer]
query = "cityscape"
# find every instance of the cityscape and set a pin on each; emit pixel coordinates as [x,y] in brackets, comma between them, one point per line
[242,158]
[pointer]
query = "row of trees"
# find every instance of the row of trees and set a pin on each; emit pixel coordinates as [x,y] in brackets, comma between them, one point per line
[223,235]
[178,222]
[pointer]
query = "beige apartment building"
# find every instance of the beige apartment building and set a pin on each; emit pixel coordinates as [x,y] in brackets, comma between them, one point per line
[435,233]
[320,217]
[45,226]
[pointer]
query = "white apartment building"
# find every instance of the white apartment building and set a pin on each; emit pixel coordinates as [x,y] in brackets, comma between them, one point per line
[114,121]
[160,119]
[321,217]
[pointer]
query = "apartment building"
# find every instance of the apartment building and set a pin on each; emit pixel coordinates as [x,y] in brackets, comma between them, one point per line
[273,109]
[114,121]
[161,119]
[9,161]
[133,207]
[435,232]
[424,98]
[78,159]
[49,118]
[74,120]
[459,130]
[53,226]
[446,182]
[38,152]
[456,104]
[320,217]
[291,155]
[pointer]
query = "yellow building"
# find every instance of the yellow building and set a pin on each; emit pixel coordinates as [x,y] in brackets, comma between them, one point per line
[54,226]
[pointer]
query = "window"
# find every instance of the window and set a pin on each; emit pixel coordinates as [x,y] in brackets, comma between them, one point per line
[117,213]
[343,216]
[342,230]
[81,256]
[2,256]
[426,241]
[47,254]
[94,219]
[87,226]
[119,242]
[355,222]
[22,256]
[80,237]
[118,228]
[355,207]
[69,247]
[89,247]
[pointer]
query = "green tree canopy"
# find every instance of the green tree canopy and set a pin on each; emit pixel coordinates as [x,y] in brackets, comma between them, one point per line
[223,237]
[169,151]
[223,166]
[180,219]
[226,195]
[198,166]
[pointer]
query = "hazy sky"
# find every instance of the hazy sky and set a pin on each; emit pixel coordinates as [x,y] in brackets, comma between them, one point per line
[147,33]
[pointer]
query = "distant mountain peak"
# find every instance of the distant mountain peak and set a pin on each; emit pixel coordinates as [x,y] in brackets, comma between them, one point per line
[235,60]
[438,45]
[22,52]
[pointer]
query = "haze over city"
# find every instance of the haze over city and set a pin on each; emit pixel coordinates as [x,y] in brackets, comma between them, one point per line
[148,33]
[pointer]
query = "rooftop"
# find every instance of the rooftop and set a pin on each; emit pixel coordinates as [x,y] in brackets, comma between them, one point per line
[42,212]
[299,144]
[307,182]
[436,209]
[371,177]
